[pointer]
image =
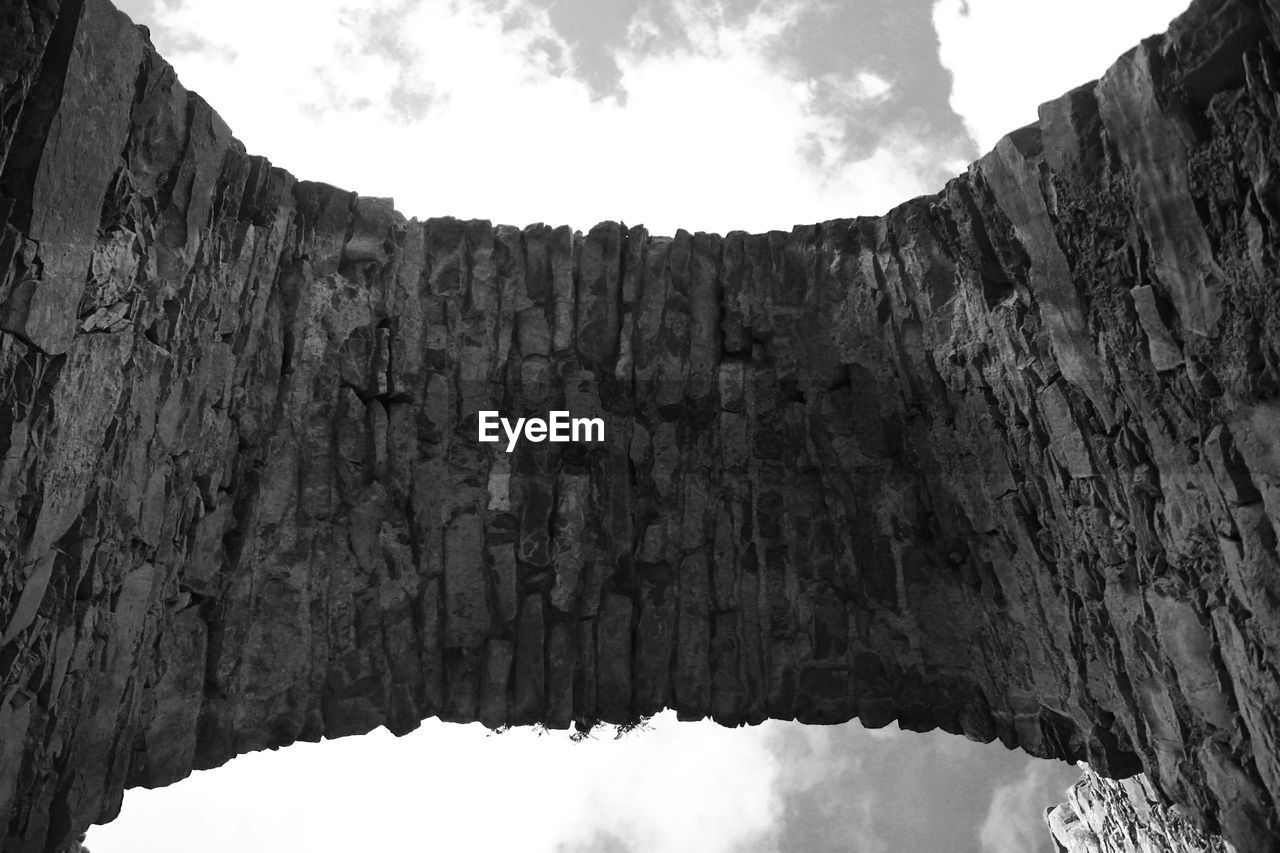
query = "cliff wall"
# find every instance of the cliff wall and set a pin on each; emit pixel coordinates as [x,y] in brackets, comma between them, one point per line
[1003,461]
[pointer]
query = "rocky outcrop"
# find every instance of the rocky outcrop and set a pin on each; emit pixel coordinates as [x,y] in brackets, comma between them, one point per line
[1124,816]
[1004,461]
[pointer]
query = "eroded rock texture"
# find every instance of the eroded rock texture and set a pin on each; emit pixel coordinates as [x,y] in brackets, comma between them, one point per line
[1004,461]
[1124,816]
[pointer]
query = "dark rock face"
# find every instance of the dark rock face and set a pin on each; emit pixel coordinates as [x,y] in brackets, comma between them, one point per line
[1004,461]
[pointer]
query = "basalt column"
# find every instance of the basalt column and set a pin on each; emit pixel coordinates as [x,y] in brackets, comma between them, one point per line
[1004,461]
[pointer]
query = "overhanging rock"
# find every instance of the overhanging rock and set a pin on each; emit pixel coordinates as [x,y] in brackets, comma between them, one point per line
[1125,816]
[1004,461]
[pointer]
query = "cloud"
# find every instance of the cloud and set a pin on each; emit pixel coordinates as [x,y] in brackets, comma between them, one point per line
[678,787]
[1043,50]
[882,791]
[674,788]
[472,110]
[601,842]
[1014,822]
[829,793]
[682,787]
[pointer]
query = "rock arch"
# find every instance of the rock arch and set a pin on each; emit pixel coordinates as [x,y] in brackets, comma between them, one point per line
[1002,461]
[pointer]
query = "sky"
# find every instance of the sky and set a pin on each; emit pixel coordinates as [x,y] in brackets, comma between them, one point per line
[713,115]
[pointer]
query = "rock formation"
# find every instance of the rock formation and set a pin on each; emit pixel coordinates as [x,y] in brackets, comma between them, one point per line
[1124,816]
[1004,461]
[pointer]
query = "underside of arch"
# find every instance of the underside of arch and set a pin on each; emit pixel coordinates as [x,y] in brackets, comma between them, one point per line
[1004,461]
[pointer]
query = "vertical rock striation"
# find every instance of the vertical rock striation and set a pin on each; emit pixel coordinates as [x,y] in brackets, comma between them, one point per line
[1004,461]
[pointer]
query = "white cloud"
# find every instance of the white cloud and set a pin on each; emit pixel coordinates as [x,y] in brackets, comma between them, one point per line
[1013,823]
[872,85]
[714,135]
[1009,56]
[678,787]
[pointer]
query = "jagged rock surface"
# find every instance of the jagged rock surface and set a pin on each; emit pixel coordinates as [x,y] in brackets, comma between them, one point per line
[1004,461]
[1124,816]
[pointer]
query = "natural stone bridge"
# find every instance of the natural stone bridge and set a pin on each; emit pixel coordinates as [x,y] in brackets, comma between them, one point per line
[1004,461]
